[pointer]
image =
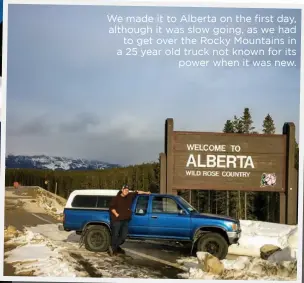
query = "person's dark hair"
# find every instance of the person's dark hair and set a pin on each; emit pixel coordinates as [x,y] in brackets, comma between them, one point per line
[125,187]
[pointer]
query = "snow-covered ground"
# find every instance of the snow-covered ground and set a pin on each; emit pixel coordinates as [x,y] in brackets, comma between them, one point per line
[255,234]
[244,268]
[45,251]
[282,265]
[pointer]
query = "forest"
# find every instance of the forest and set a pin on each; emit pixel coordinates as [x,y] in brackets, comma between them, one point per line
[262,206]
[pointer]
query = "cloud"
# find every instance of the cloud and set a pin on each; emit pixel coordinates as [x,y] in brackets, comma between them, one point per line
[119,144]
[37,126]
[80,123]
[78,99]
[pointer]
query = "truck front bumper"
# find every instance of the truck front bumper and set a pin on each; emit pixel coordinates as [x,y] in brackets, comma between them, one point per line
[234,237]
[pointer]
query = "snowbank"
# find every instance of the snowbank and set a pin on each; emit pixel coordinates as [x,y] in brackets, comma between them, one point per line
[242,268]
[41,201]
[282,265]
[50,201]
[255,234]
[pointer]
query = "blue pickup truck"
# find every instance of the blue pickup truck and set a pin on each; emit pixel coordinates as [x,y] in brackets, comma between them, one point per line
[155,217]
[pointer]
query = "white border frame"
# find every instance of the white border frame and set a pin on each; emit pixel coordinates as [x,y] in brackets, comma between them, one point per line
[279,4]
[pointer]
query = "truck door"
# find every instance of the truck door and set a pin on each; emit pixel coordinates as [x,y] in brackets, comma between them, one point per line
[166,219]
[139,223]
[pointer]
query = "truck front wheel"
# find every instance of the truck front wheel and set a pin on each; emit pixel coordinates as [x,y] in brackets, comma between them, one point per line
[97,238]
[214,244]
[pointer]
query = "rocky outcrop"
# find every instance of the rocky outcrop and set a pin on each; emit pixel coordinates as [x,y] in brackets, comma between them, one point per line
[10,232]
[210,264]
[242,268]
[267,250]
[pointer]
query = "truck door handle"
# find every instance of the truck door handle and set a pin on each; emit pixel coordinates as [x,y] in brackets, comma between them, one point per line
[153,216]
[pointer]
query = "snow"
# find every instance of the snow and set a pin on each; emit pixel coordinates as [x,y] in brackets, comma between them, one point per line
[36,256]
[50,203]
[56,162]
[247,264]
[45,251]
[284,255]
[51,206]
[237,264]
[242,268]
[29,253]
[51,252]
[51,232]
[255,234]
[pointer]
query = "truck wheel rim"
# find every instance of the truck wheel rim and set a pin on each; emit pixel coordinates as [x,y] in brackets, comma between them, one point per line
[212,247]
[96,239]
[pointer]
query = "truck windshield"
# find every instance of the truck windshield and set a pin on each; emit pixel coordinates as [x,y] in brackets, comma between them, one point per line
[187,205]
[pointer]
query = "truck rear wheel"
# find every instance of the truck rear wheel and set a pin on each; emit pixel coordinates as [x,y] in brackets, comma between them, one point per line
[97,238]
[214,244]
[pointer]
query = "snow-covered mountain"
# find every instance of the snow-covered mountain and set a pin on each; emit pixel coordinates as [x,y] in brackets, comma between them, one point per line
[54,163]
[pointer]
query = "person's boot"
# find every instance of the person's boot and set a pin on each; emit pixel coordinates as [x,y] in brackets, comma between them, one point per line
[120,251]
[110,251]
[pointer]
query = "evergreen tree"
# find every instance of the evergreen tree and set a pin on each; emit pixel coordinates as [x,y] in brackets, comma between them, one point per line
[141,177]
[237,125]
[228,127]
[268,125]
[247,122]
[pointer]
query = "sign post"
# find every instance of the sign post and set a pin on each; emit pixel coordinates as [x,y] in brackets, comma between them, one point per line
[163,173]
[291,197]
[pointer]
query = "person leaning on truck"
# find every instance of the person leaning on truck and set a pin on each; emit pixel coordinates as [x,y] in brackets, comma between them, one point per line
[120,216]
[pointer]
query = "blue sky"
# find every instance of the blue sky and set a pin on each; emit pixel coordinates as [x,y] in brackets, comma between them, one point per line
[70,95]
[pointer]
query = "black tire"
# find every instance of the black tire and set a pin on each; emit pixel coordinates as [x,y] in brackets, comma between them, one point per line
[214,244]
[97,238]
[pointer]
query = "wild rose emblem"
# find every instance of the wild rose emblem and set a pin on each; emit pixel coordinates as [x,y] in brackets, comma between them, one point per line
[268,179]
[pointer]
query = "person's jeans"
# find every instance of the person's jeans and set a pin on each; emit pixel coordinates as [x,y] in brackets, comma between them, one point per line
[119,233]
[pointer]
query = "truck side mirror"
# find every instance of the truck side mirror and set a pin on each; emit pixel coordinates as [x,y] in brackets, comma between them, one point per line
[181,212]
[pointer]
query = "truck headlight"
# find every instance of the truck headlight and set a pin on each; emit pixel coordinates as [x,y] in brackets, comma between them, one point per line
[234,226]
